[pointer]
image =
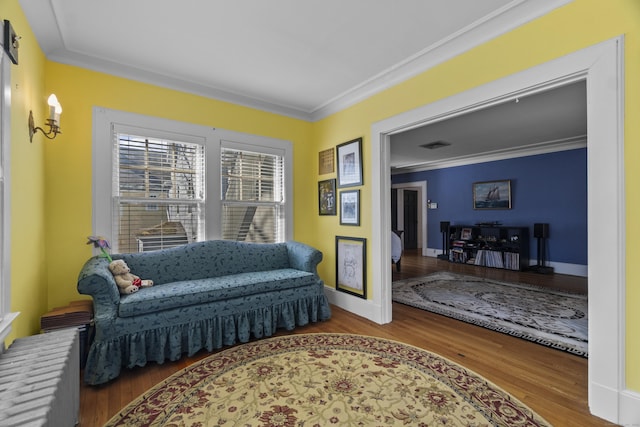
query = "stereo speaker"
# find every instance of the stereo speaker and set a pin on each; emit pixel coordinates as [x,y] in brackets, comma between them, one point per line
[541,231]
[444,226]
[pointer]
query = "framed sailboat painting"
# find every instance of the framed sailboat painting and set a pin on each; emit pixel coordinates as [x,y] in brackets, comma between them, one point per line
[492,195]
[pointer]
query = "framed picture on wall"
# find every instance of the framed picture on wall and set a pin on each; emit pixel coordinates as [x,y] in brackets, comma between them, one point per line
[492,194]
[325,161]
[350,207]
[350,163]
[351,267]
[327,197]
[465,234]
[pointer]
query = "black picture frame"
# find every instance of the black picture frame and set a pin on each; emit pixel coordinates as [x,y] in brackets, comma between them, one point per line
[10,42]
[327,197]
[351,265]
[350,163]
[350,207]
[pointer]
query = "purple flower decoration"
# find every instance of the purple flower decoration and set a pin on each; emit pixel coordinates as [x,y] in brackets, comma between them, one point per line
[102,243]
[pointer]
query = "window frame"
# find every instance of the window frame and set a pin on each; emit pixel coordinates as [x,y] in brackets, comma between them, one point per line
[279,150]
[6,316]
[105,121]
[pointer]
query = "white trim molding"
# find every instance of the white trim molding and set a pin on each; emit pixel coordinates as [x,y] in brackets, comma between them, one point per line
[601,66]
[547,147]
[6,316]
[106,120]
[42,19]
[511,16]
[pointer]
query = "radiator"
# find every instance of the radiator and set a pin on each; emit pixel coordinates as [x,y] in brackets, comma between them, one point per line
[40,380]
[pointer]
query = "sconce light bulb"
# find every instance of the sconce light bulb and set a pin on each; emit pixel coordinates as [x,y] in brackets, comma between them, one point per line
[53,100]
[58,109]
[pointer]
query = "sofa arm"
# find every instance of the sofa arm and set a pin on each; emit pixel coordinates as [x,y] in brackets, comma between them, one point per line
[96,280]
[303,257]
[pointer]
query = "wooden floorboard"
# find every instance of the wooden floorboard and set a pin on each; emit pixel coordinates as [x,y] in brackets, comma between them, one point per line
[551,382]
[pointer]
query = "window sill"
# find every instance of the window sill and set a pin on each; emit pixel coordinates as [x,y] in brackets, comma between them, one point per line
[5,325]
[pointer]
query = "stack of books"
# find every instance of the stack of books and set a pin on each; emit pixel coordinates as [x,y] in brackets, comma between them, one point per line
[457,255]
[78,315]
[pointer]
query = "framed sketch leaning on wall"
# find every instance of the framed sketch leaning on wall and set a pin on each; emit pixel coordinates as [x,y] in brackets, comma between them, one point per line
[351,265]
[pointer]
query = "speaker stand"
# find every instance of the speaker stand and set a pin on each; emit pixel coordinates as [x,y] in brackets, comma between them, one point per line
[445,246]
[541,269]
[542,251]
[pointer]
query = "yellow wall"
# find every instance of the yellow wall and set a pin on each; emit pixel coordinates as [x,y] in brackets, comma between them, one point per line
[52,199]
[578,25]
[28,230]
[54,206]
[68,165]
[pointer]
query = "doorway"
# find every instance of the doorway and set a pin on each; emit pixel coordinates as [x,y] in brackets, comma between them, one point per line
[410,207]
[600,65]
[410,196]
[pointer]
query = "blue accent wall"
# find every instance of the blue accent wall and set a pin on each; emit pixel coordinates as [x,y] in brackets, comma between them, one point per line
[546,188]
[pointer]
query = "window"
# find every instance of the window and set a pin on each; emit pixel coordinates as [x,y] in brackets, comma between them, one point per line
[158,183]
[159,194]
[252,196]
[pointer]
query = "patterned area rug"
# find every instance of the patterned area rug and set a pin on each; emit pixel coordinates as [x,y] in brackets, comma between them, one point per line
[322,380]
[552,318]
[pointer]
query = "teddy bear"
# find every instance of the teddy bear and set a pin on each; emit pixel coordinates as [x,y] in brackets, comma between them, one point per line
[127,282]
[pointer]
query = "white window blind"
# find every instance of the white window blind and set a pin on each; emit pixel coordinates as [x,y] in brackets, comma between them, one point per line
[253,196]
[159,192]
[146,205]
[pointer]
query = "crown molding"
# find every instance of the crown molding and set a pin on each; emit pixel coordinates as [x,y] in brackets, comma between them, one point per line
[172,82]
[525,151]
[42,19]
[503,20]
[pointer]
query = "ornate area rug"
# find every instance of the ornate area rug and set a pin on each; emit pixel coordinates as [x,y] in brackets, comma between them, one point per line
[322,380]
[552,318]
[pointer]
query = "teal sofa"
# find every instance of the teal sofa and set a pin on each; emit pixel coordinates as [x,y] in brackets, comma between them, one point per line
[206,295]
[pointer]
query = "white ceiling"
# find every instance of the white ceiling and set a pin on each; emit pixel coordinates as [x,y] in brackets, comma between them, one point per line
[539,123]
[302,58]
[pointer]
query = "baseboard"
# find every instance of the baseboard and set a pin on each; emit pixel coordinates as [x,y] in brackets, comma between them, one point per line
[566,268]
[629,408]
[621,408]
[558,267]
[359,306]
[603,401]
[433,252]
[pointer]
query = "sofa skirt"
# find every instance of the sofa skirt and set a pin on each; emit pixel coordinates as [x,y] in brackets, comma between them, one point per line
[108,355]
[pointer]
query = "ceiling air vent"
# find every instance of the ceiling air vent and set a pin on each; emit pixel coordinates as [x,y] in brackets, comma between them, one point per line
[435,144]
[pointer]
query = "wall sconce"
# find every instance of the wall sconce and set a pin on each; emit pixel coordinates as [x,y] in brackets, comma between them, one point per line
[55,109]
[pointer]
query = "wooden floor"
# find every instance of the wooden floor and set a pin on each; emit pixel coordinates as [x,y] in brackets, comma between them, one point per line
[551,382]
[413,265]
